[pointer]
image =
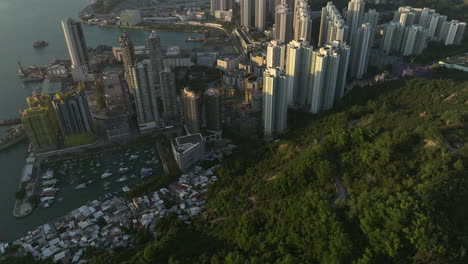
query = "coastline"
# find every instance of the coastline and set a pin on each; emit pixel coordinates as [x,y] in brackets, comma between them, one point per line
[180,26]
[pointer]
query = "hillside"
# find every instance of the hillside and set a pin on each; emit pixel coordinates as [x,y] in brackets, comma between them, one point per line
[399,155]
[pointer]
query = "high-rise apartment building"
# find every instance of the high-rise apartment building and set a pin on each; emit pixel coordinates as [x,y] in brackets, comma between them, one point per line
[328,75]
[414,40]
[212,102]
[452,32]
[247,13]
[360,49]
[221,5]
[40,122]
[275,105]
[169,94]
[371,17]
[332,26]
[77,49]
[38,128]
[302,21]
[284,23]
[435,26]
[145,94]
[73,114]
[191,107]
[155,53]
[354,17]
[298,61]
[260,14]
[128,58]
[276,54]
[392,38]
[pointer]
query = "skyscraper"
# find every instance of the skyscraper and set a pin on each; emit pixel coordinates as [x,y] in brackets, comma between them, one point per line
[360,50]
[169,95]
[328,75]
[452,32]
[283,23]
[392,38]
[145,94]
[276,54]
[260,14]
[302,21]
[332,26]
[371,17]
[73,113]
[435,26]
[154,47]
[354,17]
[77,49]
[247,13]
[414,40]
[298,61]
[191,107]
[407,16]
[128,58]
[38,128]
[40,122]
[275,105]
[220,5]
[212,110]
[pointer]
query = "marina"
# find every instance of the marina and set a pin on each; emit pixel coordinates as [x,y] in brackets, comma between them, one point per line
[98,175]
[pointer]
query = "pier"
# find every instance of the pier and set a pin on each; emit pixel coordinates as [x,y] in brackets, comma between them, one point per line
[10,122]
[15,136]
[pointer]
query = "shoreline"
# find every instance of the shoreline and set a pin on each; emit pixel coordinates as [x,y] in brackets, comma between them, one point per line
[184,26]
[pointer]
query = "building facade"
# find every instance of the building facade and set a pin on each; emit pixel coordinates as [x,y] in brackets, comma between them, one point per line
[145,95]
[192,113]
[73,114]
[77,49]
[169,94]
[275,103]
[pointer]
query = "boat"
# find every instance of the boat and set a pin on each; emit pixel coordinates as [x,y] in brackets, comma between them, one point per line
[49,174]
[90,181]
[47,199]
[123,170]
[60,199]
[48,189]
[126,188]
[48,193]
[191,39]
[124,178]
[40,44]
[106,175]
[80,186]
[133,157]
[133,176]
[106,184]
[146,172]
[49,182]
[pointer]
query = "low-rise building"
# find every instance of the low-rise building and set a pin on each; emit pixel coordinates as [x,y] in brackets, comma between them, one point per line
[188,150]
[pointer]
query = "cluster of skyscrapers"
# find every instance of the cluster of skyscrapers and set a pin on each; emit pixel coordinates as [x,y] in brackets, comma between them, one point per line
[412,28]
[50,121]
[148,81]
[301,76]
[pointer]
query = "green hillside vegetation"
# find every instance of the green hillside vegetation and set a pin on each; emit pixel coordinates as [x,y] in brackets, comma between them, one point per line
[400,150]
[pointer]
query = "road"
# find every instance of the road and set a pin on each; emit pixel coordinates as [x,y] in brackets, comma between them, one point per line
[341,192]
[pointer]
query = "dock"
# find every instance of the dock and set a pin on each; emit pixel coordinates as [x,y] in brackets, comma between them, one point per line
[15,136]
[10,122]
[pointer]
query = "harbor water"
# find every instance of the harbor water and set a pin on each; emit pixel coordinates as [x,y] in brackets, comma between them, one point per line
[21,23]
